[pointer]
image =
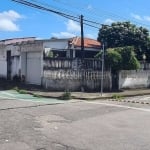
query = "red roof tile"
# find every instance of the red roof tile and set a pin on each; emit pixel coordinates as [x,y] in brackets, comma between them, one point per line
[88,43]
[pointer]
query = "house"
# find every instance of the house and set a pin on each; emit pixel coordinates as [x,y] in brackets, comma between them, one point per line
[71,47]
[10,56]
[91,47]
[23,57]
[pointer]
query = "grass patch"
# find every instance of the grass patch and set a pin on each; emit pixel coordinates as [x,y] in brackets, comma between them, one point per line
[117,97]
[66,96]
[36,95]
[22,92]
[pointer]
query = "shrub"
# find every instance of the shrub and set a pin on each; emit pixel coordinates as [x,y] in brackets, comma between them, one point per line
[22,92]
[16,88]
[66,95]
[117,97]
[36,95]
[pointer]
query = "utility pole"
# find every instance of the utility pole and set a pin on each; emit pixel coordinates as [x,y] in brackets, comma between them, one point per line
[82,36]
[82,51]
[102,74]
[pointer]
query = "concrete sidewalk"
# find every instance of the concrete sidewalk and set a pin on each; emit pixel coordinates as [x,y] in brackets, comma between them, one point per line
[93,96]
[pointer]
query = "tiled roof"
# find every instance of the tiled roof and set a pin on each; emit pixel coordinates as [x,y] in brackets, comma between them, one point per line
[16,40]
[88,43]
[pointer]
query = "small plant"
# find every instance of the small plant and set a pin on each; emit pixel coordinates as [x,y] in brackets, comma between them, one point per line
[36,95]
[16,88]
[22,92]
[117,97]
[66,95]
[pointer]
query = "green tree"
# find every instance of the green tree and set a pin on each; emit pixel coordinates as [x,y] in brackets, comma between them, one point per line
[121,58]
[122,34]
[50,54]
[113,59]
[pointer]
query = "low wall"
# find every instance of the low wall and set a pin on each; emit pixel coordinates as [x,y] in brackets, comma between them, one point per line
[132,79]
[75,80]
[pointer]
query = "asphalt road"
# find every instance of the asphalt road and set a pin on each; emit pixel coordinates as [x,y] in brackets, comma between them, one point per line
[99,125]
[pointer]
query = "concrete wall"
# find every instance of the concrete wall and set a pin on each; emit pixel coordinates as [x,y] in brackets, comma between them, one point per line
[133,79]
[75,80]
[3,63]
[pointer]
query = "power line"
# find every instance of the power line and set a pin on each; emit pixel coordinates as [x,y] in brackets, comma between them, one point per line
[24,2]
[106,13]
[74,18]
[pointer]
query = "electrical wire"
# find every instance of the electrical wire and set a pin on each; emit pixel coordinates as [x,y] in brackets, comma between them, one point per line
[105,13]
[74,18]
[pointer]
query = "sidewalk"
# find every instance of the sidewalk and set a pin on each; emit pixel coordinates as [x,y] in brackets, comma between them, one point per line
[36,90]
[93,96]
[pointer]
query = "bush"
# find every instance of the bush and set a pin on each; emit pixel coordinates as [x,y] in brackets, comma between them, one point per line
[36,95]
[22,92]
[117,97]
[16,88]
[66,96]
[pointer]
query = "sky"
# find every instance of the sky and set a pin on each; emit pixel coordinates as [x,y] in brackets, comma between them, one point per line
[17,20]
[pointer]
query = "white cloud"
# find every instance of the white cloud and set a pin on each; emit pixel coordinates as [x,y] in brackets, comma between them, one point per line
[72,26]
[136,16]
[8,25]
[147,18]
[63,35]
[108,21]
[72,29]
[8,20]
[140,18]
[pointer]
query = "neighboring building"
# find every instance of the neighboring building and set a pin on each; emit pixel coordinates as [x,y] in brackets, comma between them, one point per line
[71,47]
[91,47]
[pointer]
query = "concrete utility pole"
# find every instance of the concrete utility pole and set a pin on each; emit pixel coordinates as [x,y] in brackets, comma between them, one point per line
[82,51]
[102,75]
[82,36]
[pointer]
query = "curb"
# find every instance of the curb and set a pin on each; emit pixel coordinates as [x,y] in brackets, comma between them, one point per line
[94,98]
[127,101]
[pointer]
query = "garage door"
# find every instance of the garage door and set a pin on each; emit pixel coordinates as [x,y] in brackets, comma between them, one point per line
[34,68]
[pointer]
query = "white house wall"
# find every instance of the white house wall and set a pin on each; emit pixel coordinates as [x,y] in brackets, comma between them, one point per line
[23,63]
[32,62]
[15,60]
[34,68]
[59,44]
[3,64]
[15,66]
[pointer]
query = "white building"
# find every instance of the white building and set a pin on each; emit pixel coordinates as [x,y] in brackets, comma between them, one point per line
[23,57]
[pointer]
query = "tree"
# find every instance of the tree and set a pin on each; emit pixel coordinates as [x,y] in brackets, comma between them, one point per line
[121,58]
[113,60]
[122,34]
